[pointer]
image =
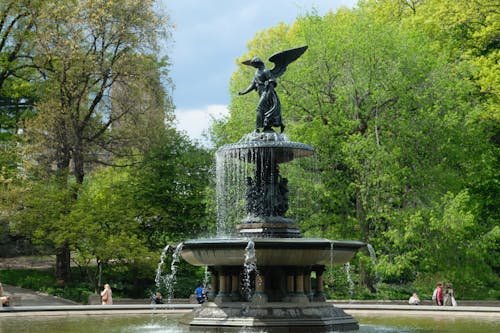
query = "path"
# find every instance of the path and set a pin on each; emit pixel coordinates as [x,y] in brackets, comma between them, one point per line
[27,297]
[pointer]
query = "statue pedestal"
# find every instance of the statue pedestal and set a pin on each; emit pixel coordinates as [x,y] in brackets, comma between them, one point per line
[309,317]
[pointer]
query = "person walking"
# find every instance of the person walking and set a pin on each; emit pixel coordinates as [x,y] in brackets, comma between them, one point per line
[107,295]
[449,296]
[437,296]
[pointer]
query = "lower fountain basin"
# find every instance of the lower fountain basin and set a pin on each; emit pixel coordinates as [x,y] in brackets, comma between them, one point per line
[270,251]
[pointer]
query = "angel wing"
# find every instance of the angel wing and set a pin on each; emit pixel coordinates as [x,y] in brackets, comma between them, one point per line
[282,59]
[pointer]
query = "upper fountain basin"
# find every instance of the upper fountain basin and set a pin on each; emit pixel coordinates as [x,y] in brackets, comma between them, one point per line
[269,251]
[255,145]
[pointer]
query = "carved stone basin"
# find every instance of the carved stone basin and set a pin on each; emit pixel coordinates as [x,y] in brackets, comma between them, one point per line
[269,251]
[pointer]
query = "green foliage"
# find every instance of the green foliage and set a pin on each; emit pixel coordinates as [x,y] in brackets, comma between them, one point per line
[405,135]
[400,99]
[169,191]
[31,279]
[18,77]
[103,220]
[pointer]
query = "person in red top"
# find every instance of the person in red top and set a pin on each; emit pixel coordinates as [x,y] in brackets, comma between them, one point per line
[438,294]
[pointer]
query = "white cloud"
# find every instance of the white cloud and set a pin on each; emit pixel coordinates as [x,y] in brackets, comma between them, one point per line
[195,121]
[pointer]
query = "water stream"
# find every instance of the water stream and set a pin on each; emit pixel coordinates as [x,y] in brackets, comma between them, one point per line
[373,258]
[206,278]
[168,280]
[249,268]
[159,269]
[347,267]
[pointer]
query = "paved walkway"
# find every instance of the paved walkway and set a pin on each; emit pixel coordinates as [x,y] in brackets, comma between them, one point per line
[28,302]
[27,297]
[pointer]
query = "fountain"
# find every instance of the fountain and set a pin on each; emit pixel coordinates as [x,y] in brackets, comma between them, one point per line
[266,275]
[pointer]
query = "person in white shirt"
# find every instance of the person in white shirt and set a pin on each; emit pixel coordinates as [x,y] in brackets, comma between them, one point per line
[414,300]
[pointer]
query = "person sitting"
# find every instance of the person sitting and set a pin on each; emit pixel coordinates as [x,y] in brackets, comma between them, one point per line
[157,299]
[4,299]
[200,294]
[414,300]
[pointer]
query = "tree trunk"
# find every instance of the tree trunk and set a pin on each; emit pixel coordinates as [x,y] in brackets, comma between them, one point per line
[98,279]
[365,276]
[78,165]
[63,263]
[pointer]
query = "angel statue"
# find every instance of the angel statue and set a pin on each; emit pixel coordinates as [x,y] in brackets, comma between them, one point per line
[269,107]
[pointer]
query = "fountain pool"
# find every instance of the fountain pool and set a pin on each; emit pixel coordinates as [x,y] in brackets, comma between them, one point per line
[441,323]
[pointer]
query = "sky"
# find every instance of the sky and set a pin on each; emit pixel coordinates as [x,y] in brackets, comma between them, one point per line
[208,37]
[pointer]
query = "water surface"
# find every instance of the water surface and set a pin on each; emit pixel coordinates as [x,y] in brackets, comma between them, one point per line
[161,324]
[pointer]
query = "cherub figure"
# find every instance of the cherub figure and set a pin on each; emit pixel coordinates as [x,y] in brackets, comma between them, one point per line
[268,112]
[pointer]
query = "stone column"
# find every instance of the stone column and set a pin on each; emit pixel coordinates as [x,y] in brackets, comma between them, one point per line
[214,285]
[299,295]
[235,286]
[224,287]
[260,285]
[290,283]
[307,285]
[299,283]
[319,296]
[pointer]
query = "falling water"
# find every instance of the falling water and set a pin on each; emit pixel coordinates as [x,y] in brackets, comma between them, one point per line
[231,173]
[347,267]
[331,254]
[373,258]
[237,164]
[169,279]
[159,269]
[206,277]
[249,266]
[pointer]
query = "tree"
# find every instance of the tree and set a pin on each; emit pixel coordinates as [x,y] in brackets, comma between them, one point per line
[17,19]
[103,224]
[171,187]
[87,51]
[392,118]
[17,75]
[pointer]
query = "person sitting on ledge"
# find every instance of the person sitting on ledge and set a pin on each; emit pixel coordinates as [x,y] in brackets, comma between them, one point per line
[157,299]
[414,300]
[4,300]
[200,294]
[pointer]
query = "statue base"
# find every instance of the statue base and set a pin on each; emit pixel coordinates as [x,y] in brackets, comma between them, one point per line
[268,226]
[273,316]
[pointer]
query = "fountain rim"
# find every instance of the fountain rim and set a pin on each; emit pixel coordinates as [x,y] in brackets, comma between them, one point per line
[266,144]
[273,243]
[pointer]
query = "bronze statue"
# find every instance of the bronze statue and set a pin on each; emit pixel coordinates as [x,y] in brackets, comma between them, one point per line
[269,107]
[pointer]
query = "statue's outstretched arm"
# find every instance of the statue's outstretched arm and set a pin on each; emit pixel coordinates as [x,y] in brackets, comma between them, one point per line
[251,87]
